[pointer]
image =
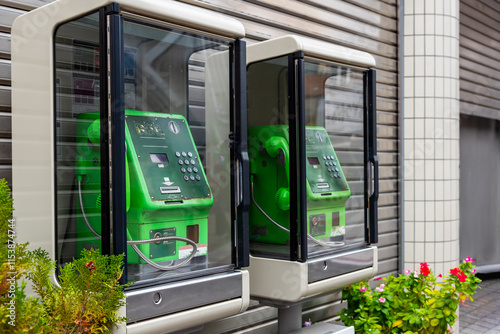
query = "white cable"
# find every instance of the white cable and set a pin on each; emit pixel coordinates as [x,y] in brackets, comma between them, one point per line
[155,265]
[133,243]
[310,237]
[97,235]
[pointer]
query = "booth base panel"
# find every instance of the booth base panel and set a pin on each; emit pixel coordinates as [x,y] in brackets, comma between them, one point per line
[278,282]
[171,315]
[187,319]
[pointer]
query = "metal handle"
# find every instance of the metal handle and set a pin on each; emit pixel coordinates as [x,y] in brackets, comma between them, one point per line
[240,154]
[373,202]
[372,154]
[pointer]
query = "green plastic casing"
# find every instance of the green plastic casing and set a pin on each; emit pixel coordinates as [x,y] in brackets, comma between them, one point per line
[327,188]
[167,189]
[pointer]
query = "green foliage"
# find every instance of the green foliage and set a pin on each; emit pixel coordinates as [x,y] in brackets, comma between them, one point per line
[14,262]
[89,295]
[86,300]
[5,208]
[410,303]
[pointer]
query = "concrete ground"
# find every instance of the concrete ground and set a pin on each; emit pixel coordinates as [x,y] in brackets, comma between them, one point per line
[483,315]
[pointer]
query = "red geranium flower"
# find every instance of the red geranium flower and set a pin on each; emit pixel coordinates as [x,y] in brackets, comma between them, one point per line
[424,269]
[462,276]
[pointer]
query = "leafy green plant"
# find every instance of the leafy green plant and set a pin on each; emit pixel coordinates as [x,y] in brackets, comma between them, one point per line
[88,297]
[14,262]
[410,303]
[86,300]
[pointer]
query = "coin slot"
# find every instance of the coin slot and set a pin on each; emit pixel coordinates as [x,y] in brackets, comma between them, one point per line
[170,190]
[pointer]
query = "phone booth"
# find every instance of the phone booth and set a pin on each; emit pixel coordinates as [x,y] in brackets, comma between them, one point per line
[313,170]
[128,139]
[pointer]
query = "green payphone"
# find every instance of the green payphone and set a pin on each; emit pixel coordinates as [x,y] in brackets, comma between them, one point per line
[327,188]
[168,197]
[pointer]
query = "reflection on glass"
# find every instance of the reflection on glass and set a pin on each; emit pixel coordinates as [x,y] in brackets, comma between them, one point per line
[334,133]
[77,91]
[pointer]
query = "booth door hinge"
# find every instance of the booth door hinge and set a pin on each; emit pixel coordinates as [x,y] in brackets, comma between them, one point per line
[112,8]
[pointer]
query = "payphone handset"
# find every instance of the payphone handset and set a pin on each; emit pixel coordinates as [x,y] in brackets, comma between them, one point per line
[168,196]
[327,188]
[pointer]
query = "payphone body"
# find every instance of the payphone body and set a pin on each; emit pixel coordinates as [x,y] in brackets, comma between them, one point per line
[288,79]
[167,190]
[327,187]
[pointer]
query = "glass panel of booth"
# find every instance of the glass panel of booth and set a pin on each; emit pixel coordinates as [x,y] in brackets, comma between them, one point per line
[334,156]
[334,96]
[170,74]
[178,168]
[268,151]
[77,154]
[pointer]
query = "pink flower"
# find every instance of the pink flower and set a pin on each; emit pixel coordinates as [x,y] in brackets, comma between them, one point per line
[469,259]
[380,288]
[378,278]
[407,272]
[474,271]
[454,271]
[307,323]
[381,299]
[362,289]
[440,275]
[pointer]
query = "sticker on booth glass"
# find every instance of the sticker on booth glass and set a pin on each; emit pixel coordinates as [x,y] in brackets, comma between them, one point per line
[337,231]
[185,251]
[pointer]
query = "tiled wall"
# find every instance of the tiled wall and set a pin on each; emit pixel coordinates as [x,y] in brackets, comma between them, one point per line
[431,134]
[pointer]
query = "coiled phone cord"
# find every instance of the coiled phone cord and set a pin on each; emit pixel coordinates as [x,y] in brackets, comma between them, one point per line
[133,243]
[310,237]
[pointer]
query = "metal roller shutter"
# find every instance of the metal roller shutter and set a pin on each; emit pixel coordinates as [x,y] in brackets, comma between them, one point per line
[479,62]
[480,132]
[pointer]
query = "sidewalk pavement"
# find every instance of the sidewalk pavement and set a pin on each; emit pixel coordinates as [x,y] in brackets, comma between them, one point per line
[483,315]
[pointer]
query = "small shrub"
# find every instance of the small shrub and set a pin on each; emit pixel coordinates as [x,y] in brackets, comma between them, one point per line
[410,303]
